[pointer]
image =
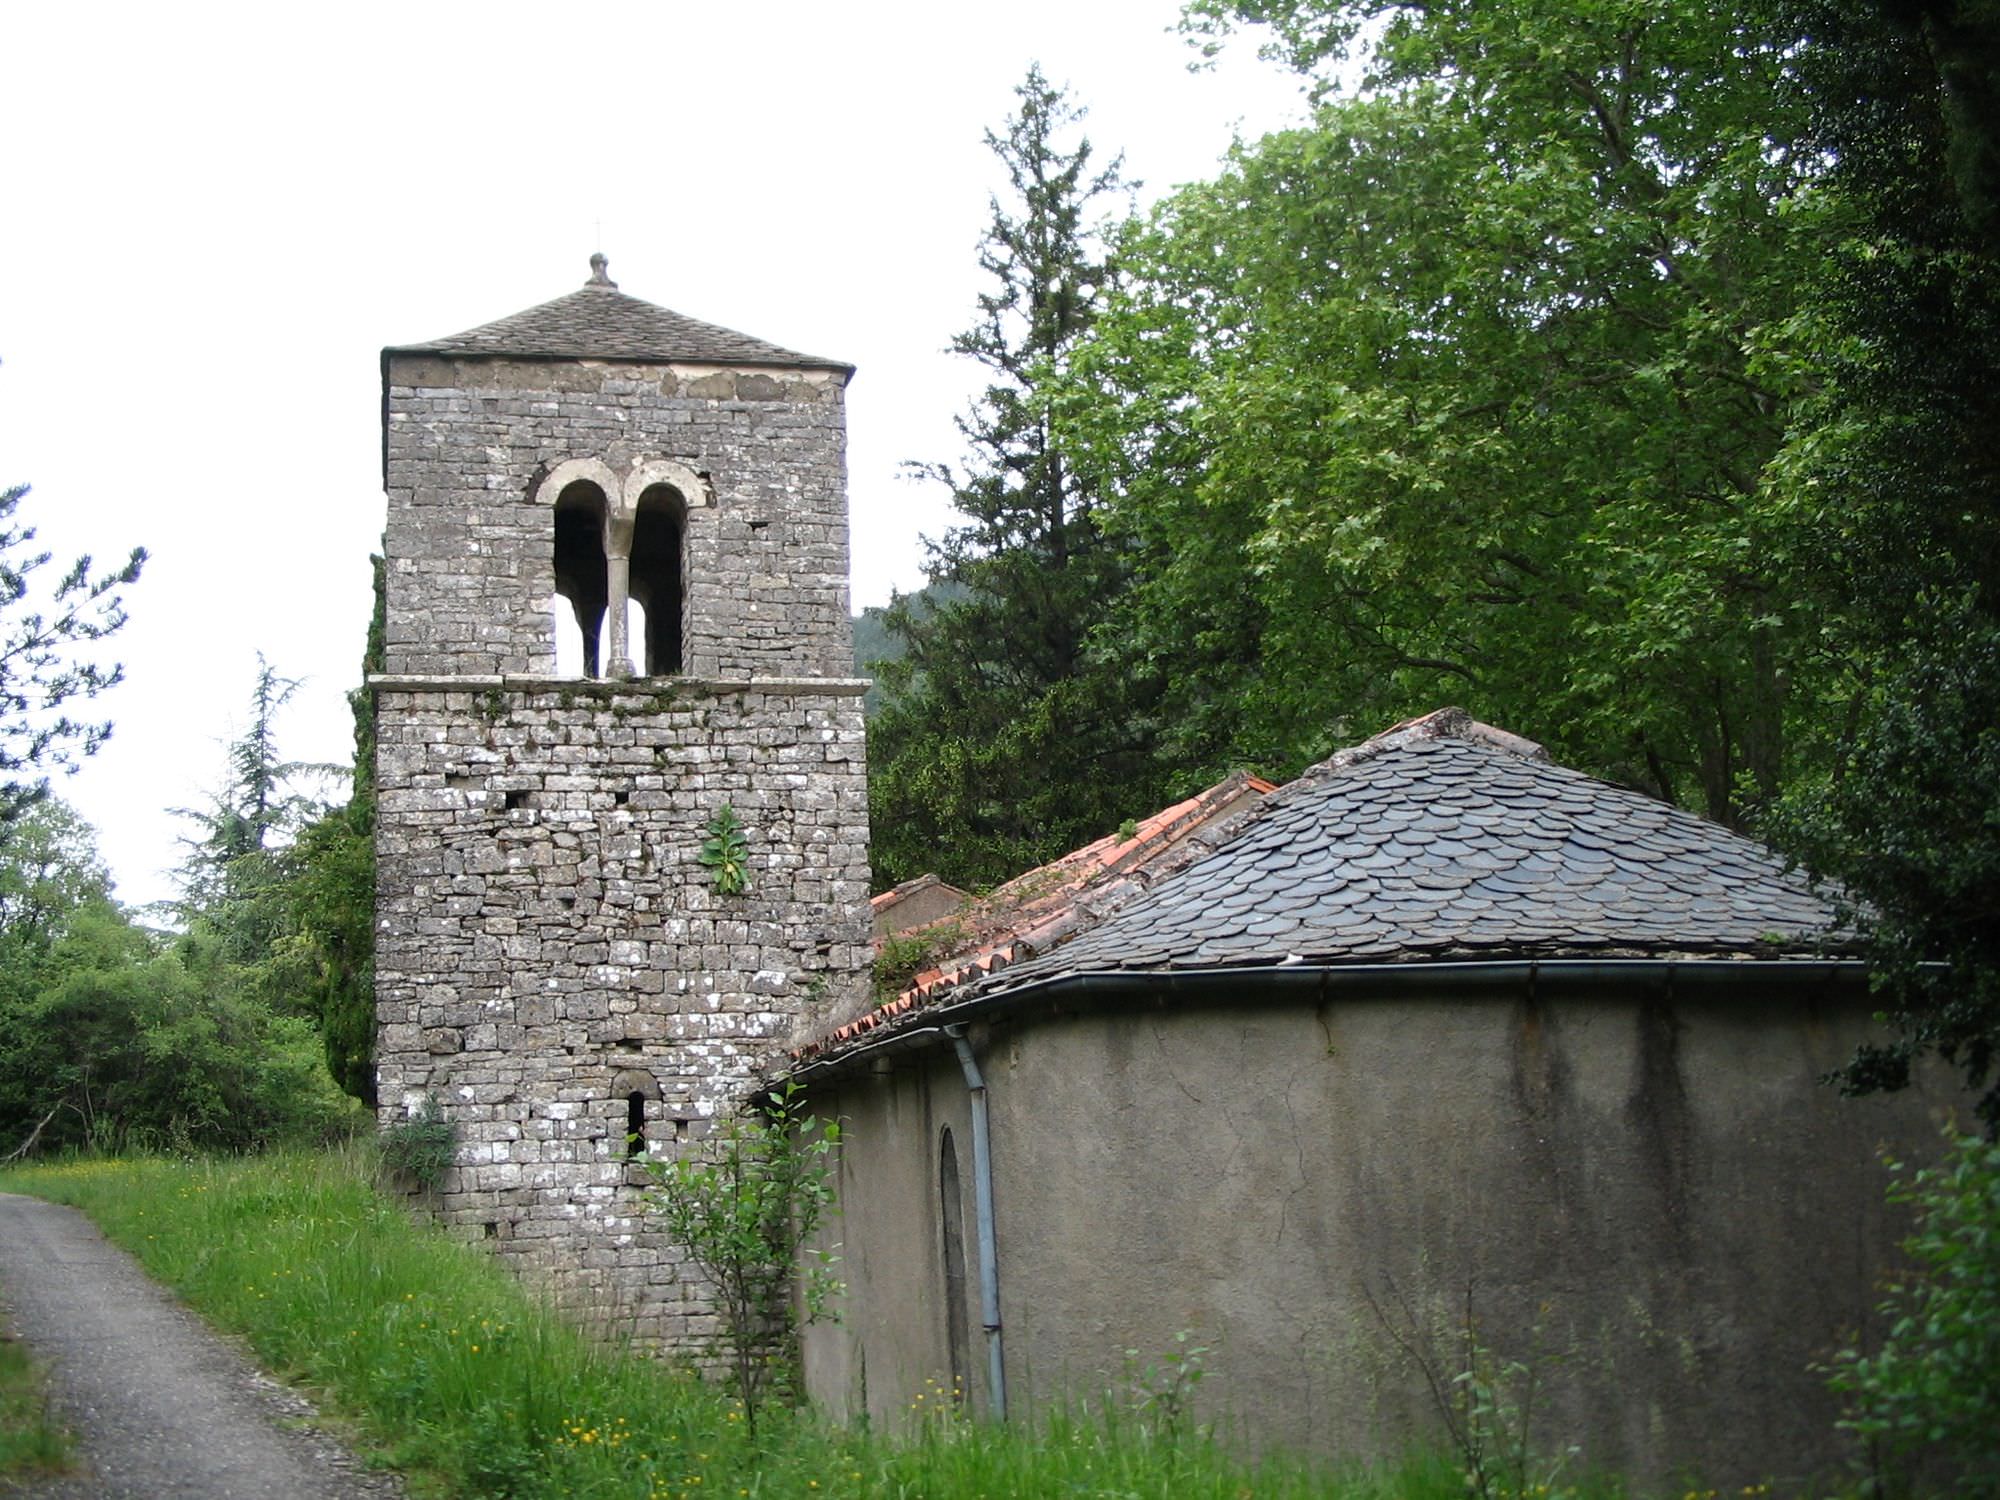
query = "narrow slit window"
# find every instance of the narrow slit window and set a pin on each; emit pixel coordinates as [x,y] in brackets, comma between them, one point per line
[635,1125]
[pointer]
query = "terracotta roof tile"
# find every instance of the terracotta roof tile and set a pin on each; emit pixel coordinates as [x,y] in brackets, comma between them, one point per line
[1038,911]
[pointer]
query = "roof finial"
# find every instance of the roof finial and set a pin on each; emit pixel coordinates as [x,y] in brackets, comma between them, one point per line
[600,271]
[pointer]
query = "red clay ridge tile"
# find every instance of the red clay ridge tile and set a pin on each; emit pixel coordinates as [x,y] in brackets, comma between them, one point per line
[1047,906]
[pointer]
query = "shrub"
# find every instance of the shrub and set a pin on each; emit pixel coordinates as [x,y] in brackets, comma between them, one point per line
[166,1052]
[421,1148]
[743,1206]
[1933,1387]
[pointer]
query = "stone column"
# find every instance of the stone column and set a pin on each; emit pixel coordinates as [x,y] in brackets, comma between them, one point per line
[618,585]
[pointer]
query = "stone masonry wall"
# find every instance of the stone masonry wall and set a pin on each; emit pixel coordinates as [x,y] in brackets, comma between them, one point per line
[471,569]
[548,943]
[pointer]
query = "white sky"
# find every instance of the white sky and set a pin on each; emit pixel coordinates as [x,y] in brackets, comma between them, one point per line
[218,215]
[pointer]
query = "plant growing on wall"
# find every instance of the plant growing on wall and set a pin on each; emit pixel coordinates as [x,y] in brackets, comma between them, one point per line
[743,1206]
[726,852]
[421,1147]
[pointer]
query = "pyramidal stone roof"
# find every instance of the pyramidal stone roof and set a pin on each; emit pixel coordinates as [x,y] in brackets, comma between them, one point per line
[598,321]
[1445,838]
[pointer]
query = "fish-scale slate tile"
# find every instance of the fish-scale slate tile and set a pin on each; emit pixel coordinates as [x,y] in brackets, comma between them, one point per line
[1445,842]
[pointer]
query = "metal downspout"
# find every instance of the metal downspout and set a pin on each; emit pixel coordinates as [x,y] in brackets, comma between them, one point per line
[982,1197]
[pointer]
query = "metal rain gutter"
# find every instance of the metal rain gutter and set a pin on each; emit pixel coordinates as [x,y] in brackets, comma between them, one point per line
[989,1253]
[1373,981]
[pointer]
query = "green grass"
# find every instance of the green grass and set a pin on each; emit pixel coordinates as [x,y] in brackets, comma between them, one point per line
[445,1368]
[31,1440]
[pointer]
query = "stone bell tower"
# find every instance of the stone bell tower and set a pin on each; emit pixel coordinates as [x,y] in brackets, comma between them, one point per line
[616,617]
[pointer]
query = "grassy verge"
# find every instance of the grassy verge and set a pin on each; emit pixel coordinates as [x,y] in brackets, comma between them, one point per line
[451,1372]
[31,1440]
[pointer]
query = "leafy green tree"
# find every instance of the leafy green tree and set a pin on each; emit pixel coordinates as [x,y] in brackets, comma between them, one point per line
[1629,370]
[285,883]
[55,911]
[1001,740]
[877,648]
[111,1036]
[168,1050]
[326,949]
[1458,395]
[1892,475]
[49,870]
[327,945]
[47,665]
[1930,1392]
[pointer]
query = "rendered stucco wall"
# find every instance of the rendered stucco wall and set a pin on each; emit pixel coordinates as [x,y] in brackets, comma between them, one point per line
[1652,1199]
[890,1344]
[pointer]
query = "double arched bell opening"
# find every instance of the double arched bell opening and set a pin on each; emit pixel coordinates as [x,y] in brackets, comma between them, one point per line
[620,554]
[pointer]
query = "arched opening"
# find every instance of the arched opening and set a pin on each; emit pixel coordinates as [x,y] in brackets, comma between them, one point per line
[582,575]
[659,535]
[951,1209]
[635,630]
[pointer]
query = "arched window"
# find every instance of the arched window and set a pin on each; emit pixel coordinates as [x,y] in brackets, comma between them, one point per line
[620,554]
[582,572]
[659,527]
[951,1210]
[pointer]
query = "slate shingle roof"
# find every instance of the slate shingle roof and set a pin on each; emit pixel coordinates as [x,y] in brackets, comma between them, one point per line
[1444,840]
[600,322]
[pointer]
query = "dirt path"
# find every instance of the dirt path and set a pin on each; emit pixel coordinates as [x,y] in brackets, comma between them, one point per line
[165,1409]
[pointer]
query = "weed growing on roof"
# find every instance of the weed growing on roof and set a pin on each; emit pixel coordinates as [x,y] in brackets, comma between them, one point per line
[904,956]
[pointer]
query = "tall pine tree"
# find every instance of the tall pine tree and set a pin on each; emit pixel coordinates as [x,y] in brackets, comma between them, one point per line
[1002,742]
[232,881]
